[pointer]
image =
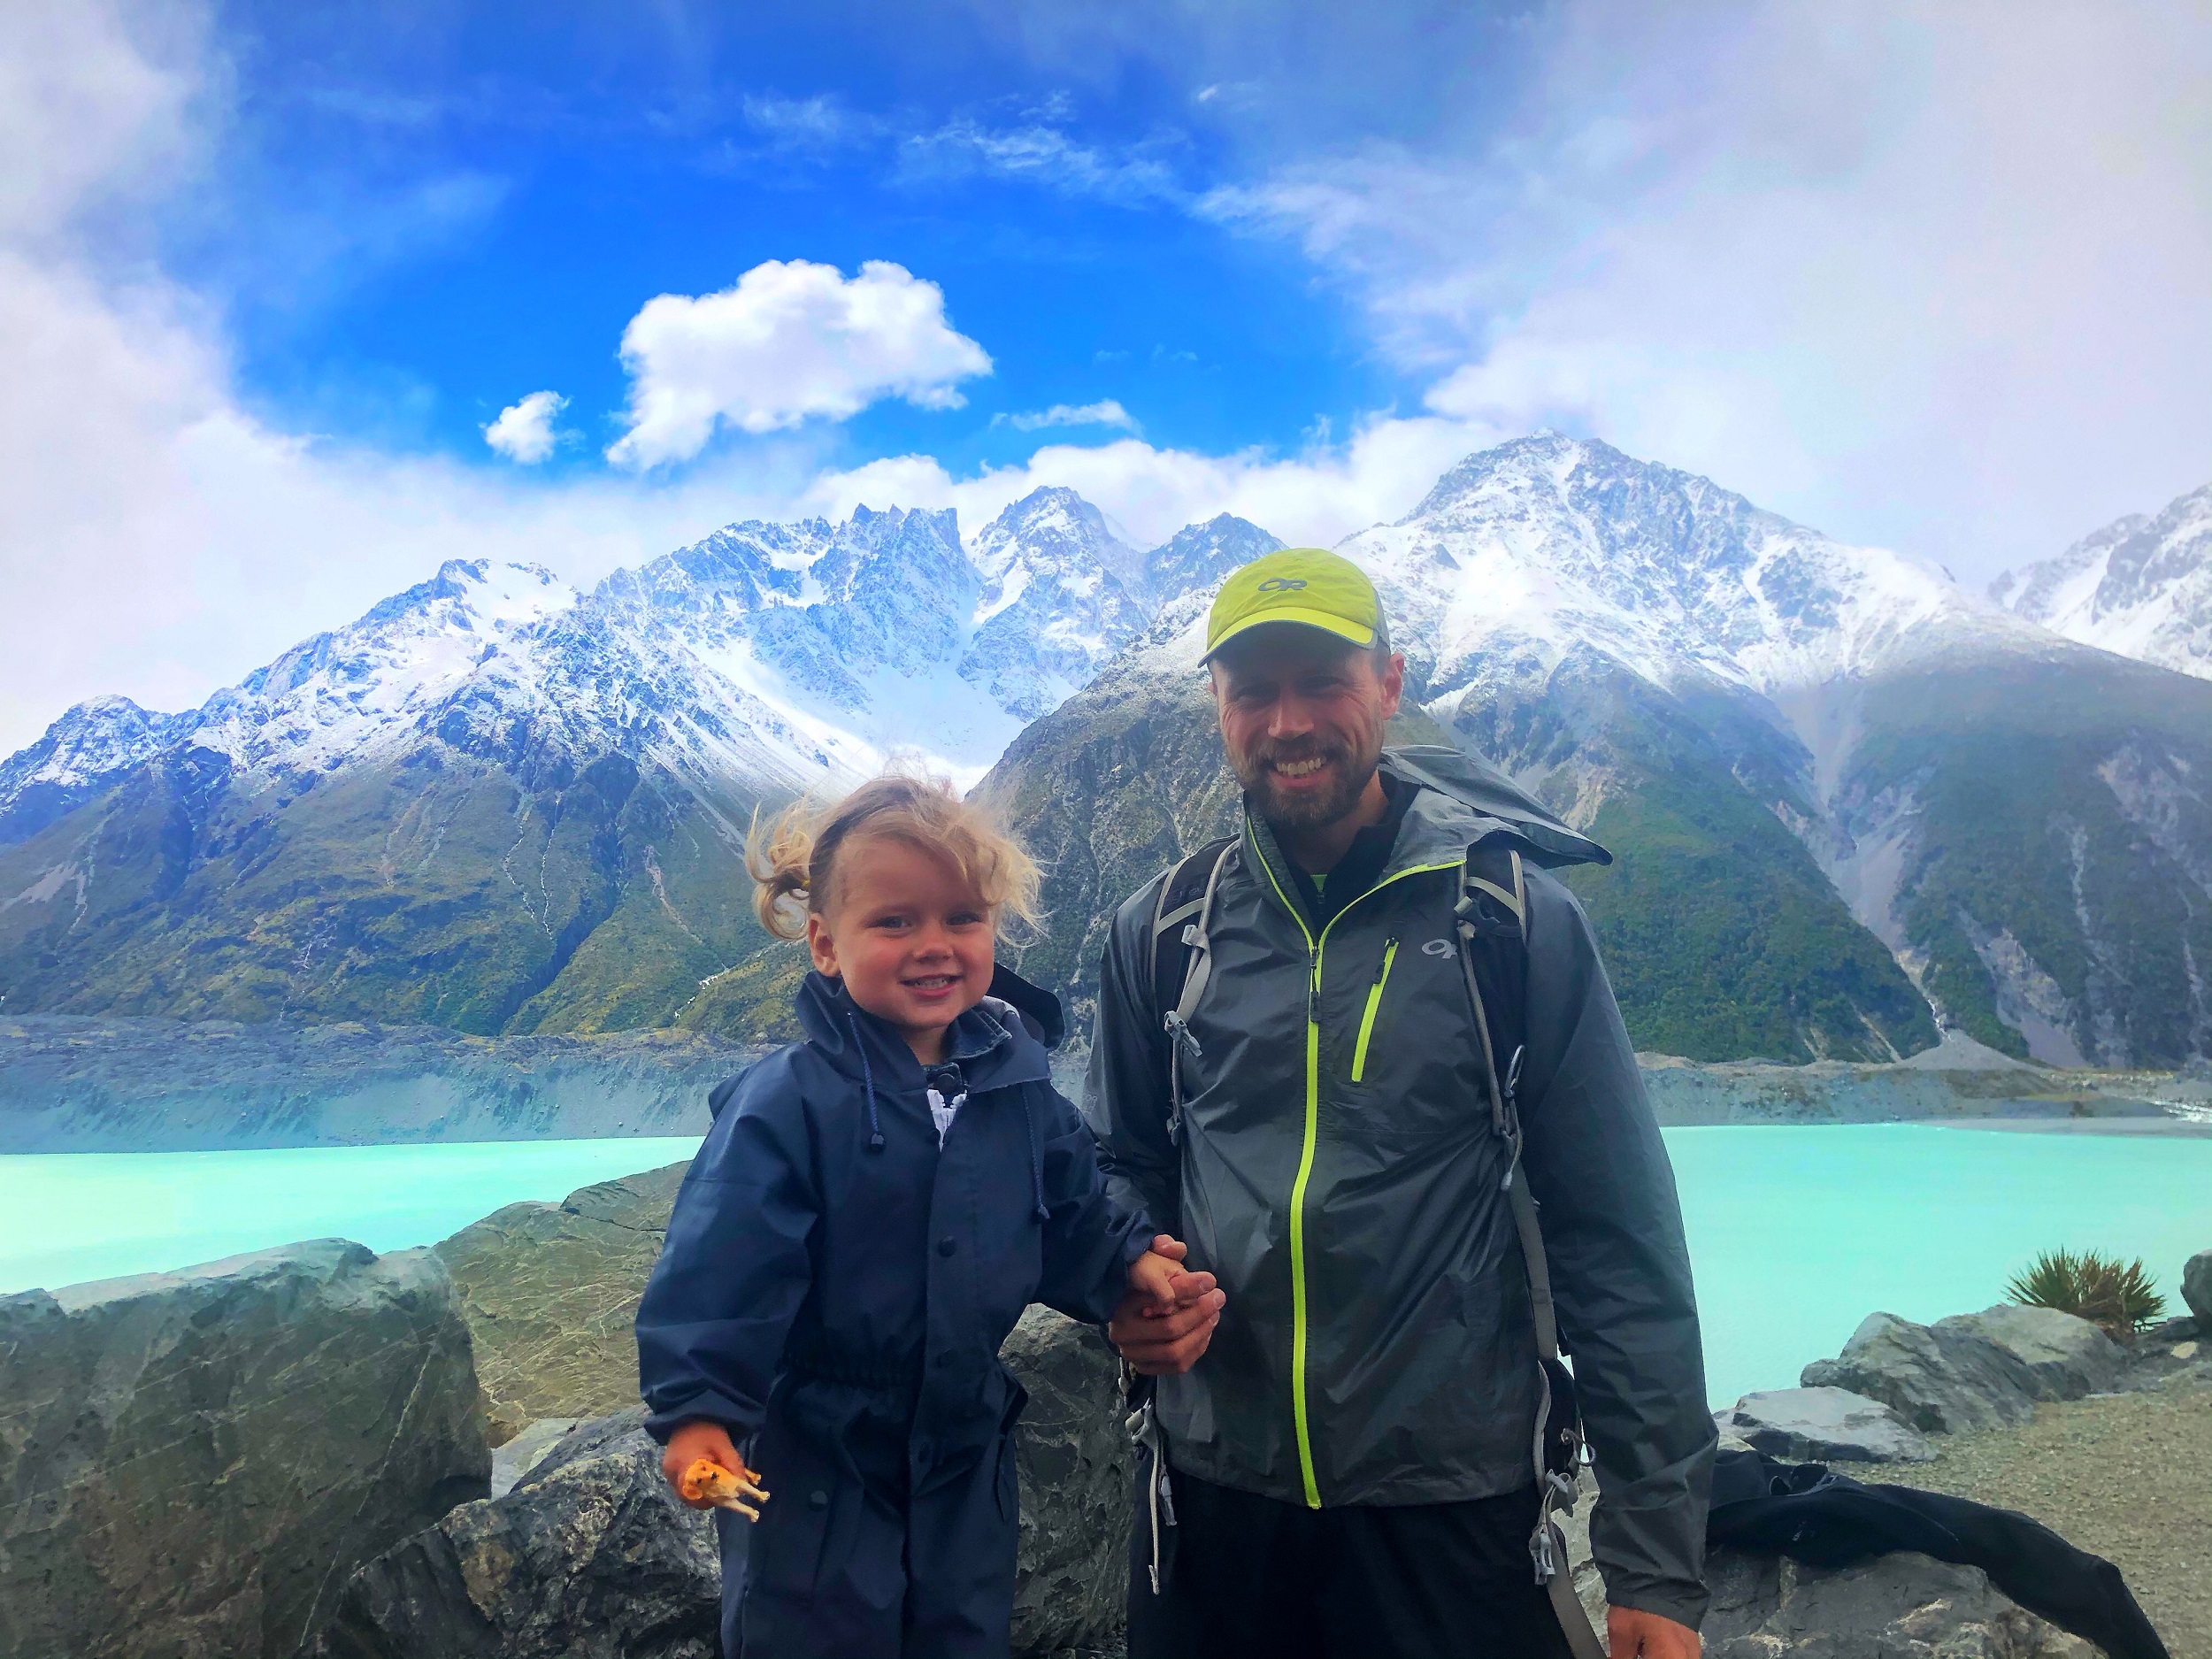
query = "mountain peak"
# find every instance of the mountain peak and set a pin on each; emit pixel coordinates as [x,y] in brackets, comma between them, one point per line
[2141,586]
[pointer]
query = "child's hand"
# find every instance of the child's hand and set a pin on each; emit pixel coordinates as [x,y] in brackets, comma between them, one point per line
[1158,1277]
[698,1441]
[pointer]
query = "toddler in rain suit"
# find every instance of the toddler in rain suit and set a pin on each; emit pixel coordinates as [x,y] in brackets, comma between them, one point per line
[870,1212]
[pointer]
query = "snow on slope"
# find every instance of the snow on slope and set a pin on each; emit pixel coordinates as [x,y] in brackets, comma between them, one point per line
[2140,587]
[1550,543]
[777,653]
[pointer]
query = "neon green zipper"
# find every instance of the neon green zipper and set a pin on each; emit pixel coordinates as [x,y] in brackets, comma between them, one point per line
[1314,947]
[1374,1001]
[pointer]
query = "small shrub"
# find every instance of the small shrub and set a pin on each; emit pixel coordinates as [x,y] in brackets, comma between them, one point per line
[2101,1289]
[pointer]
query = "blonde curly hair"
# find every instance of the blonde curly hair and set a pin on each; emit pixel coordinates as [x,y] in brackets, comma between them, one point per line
[794,862]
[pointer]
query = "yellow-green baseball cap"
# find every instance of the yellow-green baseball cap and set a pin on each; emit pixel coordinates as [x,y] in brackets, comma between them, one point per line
[1308,586]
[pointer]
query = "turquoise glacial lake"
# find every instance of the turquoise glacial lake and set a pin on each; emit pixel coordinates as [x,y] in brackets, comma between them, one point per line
[1797,1233]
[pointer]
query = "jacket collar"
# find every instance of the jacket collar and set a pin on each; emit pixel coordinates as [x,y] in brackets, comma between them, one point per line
[991,1053]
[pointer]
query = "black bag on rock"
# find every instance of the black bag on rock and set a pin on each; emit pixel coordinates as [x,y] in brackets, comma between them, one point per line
[1812,1514]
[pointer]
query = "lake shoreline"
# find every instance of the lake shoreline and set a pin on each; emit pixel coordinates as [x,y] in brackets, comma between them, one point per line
[85,1084]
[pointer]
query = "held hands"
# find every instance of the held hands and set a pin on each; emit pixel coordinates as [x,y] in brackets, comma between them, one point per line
[1168,1316]
[1630,1635]
[701,1461]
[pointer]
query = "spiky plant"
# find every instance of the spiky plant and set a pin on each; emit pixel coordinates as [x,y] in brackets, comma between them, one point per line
[2102,1289]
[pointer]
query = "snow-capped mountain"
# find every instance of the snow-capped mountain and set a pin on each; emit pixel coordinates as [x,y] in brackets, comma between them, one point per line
[1845,794]
[2141,586]
[781,653]
[1523,554]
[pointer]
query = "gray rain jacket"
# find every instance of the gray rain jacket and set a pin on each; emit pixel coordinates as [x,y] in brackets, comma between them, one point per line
[1337,1171]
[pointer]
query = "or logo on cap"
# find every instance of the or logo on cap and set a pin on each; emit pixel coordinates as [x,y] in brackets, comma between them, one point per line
[1307,588]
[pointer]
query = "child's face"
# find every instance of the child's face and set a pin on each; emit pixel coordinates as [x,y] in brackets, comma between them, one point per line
[910,937]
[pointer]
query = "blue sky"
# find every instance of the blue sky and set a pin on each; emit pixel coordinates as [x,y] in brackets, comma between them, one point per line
[421,222]
[1939,279]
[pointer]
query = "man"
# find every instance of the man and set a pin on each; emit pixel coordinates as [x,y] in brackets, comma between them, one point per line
[1350,1442]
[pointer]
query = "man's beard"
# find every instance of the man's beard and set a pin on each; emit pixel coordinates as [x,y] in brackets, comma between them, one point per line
[1304,808]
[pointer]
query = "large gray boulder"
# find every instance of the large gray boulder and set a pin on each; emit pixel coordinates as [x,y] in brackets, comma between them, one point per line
[1941,1381]
[2065,1357]
[1895,1607]
[589,1557]
[2196,1289]
[192,1463]
[1077,1470]
[1899,1606]
[1828,1425]
[550,1294]
[1973,1370]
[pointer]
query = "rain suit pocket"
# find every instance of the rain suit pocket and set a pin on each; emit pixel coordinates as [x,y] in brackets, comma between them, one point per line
[787,1548]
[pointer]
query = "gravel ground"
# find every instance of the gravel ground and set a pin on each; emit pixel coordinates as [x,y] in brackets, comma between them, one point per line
[2126,1475]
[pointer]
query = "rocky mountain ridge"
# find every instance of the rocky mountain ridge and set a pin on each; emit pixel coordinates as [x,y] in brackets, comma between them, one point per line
[1854,804]
[2140,587]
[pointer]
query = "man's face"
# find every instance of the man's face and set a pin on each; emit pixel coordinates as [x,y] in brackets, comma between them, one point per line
[1302,718]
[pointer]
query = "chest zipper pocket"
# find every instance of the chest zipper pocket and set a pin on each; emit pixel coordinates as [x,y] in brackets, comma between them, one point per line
[1374,1001]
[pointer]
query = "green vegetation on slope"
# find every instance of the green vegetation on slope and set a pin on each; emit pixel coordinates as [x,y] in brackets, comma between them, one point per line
[1724,938]
[2064,810]
[446,890]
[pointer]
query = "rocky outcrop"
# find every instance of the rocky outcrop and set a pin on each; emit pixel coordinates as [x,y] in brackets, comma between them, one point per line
[192,1463]
[513,1459]
[1899,1606]
[550,1294]
[1075,1468]
[1972,1370]
[70,1083]
[2196,1289]
[589,1557]
[1827,1425]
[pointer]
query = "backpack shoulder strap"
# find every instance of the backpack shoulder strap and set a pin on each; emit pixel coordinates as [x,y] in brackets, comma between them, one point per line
[1187,890]
[1491,919]
[1182,961]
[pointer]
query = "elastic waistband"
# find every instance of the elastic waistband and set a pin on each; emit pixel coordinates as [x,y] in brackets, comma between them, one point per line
[856,1371]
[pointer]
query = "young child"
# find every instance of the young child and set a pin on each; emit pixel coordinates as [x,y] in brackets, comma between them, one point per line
[871,1212]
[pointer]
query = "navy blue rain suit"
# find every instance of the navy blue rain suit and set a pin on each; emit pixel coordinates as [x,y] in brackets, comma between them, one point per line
[834,1290]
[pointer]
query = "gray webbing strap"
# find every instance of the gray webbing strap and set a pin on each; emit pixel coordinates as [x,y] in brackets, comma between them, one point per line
[1195,977]
[1548,1545]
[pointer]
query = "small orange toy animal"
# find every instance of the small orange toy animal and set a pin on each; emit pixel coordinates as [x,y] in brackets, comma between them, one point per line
[708,1479]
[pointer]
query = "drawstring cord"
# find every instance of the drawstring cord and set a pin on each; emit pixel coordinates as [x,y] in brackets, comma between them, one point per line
[868,1081]
[1036,1160]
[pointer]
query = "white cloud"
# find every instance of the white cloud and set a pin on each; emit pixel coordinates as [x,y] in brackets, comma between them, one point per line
[524,431]
[1940,278]
[791,341]
[1106,412]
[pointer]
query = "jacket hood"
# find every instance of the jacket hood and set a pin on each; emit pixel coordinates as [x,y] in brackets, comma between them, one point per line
[1465,800]
[993,1050]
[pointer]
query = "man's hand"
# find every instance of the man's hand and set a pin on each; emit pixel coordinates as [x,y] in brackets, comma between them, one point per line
[1633,1635]
[1157,1343]
[694,1440]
